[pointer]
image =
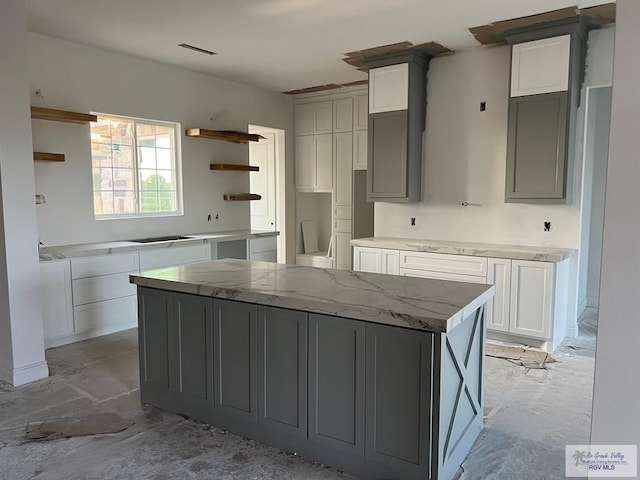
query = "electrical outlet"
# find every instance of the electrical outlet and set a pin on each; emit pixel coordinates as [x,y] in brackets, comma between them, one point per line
[413,221]
[547,226]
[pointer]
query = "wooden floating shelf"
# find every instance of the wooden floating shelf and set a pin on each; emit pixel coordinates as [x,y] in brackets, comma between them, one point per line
[227,135]
[233,167]
[241,197]
[62,115]
[48,157]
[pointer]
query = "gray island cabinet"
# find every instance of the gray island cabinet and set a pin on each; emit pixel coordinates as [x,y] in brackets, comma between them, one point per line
[374,374]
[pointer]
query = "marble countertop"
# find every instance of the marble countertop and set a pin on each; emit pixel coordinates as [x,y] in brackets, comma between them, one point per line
[495,250]
[416,303]
[62,252]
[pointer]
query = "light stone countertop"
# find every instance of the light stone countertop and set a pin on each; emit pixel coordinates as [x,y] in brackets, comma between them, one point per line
[494,250]
[416,303]
[62,252]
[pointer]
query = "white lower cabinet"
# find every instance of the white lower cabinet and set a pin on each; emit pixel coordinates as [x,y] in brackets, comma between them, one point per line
[263,249]
[170,257]
[342,250]
[530,300]
[376,260]
[55,291]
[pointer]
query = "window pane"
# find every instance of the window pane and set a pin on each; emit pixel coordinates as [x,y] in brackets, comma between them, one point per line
[149,202]
[123,157]
[148,180]
[166,201]
[124,202]
[147,157]
[104,180]
[164,158]
[123,179]
[103,203]
[121,132]
[166,180]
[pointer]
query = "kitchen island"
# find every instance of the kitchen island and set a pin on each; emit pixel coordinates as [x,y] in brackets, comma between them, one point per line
[378,375]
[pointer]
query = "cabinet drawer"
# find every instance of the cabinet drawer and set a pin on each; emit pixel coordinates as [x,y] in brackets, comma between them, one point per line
[263,244]
[342,226]
[342,211]
[108,316]
[270,256]
[105,287]
[104,265]
[454,277]
[438,262]
[167,257]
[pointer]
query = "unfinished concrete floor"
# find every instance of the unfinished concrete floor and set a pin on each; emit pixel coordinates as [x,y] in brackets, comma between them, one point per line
[530,416]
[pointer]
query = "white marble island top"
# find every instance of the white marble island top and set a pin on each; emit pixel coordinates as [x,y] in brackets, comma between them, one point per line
[494,250]
[416,303]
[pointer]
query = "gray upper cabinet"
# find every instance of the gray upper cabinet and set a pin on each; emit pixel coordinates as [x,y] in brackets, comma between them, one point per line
[397,110]
[537,152]
[547,69]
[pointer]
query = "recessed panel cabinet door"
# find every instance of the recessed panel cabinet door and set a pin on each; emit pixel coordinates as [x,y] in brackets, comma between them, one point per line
[387,149]
[343,155]
[323,163]
[398,399]
[282,370]
[235,362]
[336,383]
[156,378]
[536,147]
[305,162]
[532,287]
[193,333]
[499,275]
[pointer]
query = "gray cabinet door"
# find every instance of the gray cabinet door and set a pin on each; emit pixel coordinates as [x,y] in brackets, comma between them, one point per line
[336,383]
[156,378]
[537,148]
[235,362]
[282,370]
[387,147]
[192,323]
[398,397]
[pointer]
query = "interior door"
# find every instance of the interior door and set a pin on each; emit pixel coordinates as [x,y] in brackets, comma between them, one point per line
[263,182]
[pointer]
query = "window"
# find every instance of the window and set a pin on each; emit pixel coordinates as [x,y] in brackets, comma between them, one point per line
[136,167]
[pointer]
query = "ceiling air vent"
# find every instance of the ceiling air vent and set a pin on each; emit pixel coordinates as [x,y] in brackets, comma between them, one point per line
[196,49]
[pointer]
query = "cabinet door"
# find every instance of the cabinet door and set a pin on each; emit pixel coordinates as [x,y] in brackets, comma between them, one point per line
[367,259]
[342,250]
[536,147]
[305,162]
[192,321]
[360,150]
[323,117]
[343,155]
[235,362]
[389,88]
[532,286]
[304,116]
[361,112]
[499,275]
[55,291]
[540,66]
[282,367]
[398,397]
[390,261]
[323,167]
[343,115]
[155,338]
[387,152]
[175,255]
[336,383]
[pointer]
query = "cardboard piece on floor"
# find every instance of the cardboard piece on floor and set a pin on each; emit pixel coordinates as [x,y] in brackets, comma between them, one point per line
[521,356]
[77,426]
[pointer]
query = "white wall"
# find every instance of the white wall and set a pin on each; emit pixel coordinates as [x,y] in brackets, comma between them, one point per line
[465,160]
[76,77]
[616,416]
[21,333]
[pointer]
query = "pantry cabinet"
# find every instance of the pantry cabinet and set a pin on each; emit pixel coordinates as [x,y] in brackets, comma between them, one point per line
[314,163]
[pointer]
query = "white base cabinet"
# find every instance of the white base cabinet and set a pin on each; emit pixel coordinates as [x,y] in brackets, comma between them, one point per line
[376,260]
[55,284]
[530,301]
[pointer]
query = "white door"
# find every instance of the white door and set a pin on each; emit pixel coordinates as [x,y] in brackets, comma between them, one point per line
[263,182]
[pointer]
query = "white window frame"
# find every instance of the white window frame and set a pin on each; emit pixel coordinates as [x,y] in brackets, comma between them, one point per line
[136,170]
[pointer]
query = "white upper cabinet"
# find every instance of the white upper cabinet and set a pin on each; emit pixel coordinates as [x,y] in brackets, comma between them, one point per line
[389,88]
[540,66]
[314,163]
[343,156]
[360,150]
[343,115]
[314,118]
[361,112]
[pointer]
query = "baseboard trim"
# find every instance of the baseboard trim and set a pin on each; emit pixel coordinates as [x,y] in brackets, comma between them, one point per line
[592,301]
[98,332]
[23,375]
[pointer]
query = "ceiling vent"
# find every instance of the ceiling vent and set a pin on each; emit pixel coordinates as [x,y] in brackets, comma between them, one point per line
[196,49]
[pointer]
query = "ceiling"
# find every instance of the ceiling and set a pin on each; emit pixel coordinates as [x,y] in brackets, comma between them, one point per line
[279,45]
